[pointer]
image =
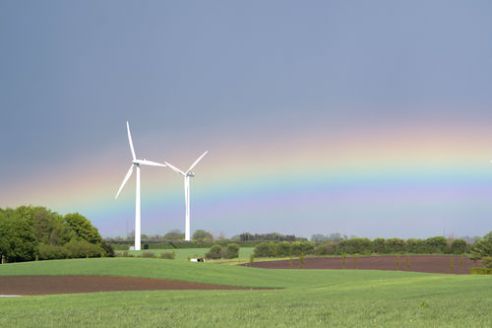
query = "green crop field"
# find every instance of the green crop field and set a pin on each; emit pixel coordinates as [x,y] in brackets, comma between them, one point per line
[302,298]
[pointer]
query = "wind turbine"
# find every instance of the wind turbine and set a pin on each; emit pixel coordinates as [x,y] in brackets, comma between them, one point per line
[187,180]
[136,164]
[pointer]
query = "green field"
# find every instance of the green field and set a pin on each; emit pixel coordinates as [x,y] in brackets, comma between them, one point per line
[185,253]
[305,298]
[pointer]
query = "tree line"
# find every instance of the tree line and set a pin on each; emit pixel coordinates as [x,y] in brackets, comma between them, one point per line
[363,246]
[32,232]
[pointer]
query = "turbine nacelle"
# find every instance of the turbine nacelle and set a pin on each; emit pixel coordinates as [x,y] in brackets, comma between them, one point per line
[135,165]
[187,175]
[146,162]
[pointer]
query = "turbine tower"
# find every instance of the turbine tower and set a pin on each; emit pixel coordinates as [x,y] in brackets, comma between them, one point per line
[187,185]
[136,164]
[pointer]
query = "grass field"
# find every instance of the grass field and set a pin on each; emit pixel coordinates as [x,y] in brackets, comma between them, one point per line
[306,298]
[185,253]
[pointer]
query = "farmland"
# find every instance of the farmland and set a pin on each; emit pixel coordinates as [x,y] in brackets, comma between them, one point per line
[302,298]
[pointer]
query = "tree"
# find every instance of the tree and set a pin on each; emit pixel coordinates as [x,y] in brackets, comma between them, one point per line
[215,252]
[436,244]
[174,235]
[203,236]
[17,238]
[379,246]
[81,228]
[483,247]
[458,246]
[231,251]
[395,245]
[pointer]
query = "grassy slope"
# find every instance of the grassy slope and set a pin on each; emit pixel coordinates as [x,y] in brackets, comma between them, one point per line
[309,298]
[185,253]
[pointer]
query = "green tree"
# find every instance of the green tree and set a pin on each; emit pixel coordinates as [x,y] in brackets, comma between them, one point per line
[395,245]
[458,246]
[379,246]
[174,235]
[81,228]
[202,236]
[231,251]
[483,247]
[215,252]
[436,244]
[17,238]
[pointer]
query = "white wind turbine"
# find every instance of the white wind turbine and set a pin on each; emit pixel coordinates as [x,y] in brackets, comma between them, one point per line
[187,180]
[136,164]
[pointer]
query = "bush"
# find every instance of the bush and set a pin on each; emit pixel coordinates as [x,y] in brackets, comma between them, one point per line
[50,252]
[436,245]
[481,271]
[326,248]
[231,251]
[215,252]
[416,246]
[108,249]
[354,246]
[483,247]
[487,262]
[284,248]
[266,249]
[301,248]
[168,255]
[148,254]
[458,246]
[82,248]
[395,245]
[379,246]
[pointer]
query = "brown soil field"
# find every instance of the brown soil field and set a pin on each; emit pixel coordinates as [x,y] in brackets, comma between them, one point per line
[423,263]
[43,285]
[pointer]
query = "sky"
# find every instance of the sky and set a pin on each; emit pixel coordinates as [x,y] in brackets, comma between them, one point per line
[367,118]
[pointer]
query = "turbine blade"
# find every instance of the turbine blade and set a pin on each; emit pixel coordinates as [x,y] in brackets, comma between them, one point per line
[150,163]
[127,176]
[196,162]
[175,169]
[130,140]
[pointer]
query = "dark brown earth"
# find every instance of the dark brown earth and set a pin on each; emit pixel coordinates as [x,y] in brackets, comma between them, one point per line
[43,285]
[424,263]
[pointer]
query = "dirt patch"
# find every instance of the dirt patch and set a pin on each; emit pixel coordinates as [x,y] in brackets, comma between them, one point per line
[426,263]
[43,285]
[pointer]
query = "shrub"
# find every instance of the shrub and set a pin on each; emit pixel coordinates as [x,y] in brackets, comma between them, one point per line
[148,254]
[416,246]
[215,252]
[327,248]
[483,247]
[231,251]
[146,246]
[168,255]
[354,246]
[302,248]
[283,248]
[487,262]
[481,271]
[50,252]
[458,246]
[266,249]
[436,245]
[82,248]
[108,249]
[379,246]
[395,245]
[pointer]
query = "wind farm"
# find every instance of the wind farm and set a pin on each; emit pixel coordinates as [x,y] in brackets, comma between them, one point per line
[246,164]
